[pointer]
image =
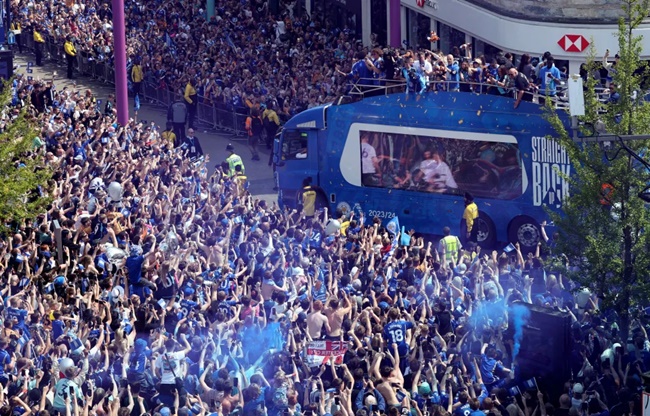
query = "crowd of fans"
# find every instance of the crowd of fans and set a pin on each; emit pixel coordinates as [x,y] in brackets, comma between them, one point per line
[172,291]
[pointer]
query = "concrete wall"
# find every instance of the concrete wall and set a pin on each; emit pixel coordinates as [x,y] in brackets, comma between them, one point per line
[558,11]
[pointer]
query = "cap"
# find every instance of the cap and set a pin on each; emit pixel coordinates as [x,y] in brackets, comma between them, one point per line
[188,291]
[578,389]
[230,147]
[424,389]
[165,411]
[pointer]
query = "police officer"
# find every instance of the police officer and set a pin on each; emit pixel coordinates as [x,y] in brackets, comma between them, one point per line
[191,100]
[177,114]
[137,75]
[70,55]
[233,160]
[38,45]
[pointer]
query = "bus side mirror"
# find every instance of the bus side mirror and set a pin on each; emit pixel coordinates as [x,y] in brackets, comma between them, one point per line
[277,159]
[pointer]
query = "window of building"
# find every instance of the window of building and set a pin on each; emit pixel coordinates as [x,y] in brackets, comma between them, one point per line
[450,38]
[379,21]
[418,29]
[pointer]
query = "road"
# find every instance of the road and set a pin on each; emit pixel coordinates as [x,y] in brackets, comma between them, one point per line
[214,143]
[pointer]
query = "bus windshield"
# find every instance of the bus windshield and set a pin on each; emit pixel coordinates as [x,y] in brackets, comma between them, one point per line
[426,163]
[294,145]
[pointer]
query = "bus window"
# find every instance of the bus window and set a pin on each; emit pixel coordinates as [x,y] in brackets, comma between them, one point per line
[294,145]
[487,169]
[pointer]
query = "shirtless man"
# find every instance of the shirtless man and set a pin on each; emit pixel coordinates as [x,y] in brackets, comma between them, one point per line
[335,314]
[269,286]
[316,321]
[390,380]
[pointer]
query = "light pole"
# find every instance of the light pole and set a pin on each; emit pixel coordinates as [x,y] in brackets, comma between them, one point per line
[210,9]
[119,53]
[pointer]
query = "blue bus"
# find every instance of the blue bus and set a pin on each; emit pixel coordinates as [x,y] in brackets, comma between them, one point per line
[416,156]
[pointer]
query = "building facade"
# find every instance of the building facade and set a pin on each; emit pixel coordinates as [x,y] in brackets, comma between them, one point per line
[566,28]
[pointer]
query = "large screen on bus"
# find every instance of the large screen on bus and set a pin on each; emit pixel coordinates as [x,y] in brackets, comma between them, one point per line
[487,169]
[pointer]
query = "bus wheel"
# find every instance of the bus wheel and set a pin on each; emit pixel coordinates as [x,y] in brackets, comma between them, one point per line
[524,230]
[486,235]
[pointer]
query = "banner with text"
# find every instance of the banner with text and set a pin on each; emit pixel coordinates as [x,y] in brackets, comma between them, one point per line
[320,352]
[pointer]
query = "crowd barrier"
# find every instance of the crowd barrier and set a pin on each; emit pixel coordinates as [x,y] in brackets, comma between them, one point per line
[212,116]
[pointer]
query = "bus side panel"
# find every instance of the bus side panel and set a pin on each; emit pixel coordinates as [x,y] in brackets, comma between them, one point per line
[540,161]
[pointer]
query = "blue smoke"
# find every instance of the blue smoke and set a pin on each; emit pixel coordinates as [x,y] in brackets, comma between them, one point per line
[520,315]
[255,341]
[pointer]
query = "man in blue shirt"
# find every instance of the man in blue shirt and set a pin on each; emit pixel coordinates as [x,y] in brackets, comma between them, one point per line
[134,264]
[360,73]
[19,315]
[395,332]
[464,408]
[5,359]
[549,76]
[453,73]
[488,366]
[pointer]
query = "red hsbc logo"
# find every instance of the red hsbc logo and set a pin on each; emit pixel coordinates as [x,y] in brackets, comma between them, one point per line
[572,43]
[420,3]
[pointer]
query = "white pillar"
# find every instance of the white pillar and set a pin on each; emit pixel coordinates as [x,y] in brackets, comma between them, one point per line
[574,67]
[402,15]
[366,9]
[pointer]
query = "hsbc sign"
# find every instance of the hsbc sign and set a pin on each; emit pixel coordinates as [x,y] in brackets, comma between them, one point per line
[573,43]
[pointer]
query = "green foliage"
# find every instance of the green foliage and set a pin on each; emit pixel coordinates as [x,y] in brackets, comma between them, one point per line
[609,241]
[18,200]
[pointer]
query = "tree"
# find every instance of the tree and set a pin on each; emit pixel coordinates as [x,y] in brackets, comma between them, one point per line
[23,174]
[605,226]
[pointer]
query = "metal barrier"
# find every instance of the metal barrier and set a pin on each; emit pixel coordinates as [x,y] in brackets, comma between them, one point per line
[213,116]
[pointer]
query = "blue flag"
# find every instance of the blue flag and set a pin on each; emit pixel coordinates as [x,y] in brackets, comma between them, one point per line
[405,239]
[136,102]
[530,384]
[393,226]
[509,248]
[230,42]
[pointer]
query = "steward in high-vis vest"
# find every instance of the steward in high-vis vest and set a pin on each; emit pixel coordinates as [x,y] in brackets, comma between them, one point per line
[233,160]
[450,245]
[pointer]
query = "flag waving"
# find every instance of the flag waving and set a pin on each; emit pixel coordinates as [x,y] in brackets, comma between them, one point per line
[393,228]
